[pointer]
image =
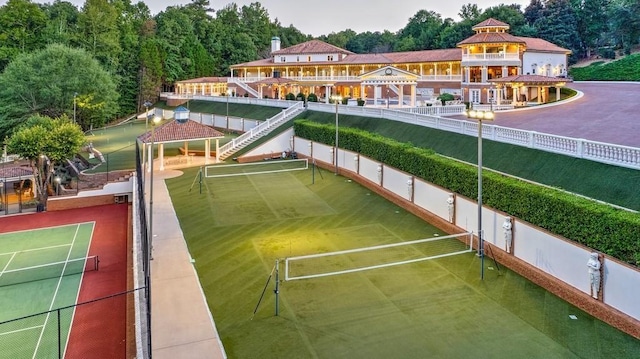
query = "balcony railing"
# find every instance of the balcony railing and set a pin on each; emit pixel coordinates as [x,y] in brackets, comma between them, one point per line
[490,57]
[354,79]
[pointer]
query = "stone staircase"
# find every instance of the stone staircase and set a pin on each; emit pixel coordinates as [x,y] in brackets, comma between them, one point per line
[259,131]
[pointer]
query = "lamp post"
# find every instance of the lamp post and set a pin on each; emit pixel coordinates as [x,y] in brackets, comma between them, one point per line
[156,120]
[480,116]
[146,105]
[58,179]
[75,95]
[336,99]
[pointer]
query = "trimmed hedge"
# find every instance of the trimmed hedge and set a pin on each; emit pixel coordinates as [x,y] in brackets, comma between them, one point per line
[593,224]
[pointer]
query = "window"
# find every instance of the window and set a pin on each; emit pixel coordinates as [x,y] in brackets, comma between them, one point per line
[283,59]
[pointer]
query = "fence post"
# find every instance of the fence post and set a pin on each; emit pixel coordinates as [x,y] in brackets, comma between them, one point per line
[59,339]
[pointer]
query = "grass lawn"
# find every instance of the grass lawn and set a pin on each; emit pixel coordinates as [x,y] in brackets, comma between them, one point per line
[239,226]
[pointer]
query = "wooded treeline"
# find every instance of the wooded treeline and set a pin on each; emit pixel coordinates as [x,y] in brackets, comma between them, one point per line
[146,54]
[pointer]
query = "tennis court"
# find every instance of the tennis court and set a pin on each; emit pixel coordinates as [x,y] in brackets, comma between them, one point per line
[41,270]
[238,227]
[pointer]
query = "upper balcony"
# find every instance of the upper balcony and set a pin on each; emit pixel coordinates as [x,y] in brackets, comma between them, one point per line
[491,58]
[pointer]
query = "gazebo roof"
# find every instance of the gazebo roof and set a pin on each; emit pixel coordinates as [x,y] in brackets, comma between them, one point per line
[15,172]
[531,80]
[173,131]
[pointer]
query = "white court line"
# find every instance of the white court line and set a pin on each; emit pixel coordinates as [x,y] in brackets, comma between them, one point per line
[35,249]
[7,265]
[21,330]
[55,294]
[73,315]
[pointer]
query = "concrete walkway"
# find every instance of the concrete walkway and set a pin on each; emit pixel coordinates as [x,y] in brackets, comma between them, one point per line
[181,323]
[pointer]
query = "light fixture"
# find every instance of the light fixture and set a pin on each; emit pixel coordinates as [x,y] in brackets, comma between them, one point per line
[480,116]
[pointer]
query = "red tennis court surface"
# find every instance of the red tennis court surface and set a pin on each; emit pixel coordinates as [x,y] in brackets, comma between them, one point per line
[104,328]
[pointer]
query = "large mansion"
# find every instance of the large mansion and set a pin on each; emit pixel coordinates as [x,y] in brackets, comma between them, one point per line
[490,66]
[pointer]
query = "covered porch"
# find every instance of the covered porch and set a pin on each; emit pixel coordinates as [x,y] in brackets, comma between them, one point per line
[528,89]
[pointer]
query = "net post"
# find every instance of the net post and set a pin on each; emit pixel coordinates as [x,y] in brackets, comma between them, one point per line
[59,335]
[277,287]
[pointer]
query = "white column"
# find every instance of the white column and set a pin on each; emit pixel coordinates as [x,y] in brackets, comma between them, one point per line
[413,95]
[401,96]
[161,155]
[207,150]
[149,157]
[217,150]
[327,94]
[557,93]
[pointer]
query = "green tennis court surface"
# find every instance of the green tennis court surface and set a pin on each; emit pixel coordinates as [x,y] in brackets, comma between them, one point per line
[41,270]
[238,227]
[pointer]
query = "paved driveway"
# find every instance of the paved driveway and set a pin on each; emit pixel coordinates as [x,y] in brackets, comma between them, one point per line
[608,112]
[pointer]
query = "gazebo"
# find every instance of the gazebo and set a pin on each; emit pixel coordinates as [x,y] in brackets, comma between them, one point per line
[180,130]
[528,87]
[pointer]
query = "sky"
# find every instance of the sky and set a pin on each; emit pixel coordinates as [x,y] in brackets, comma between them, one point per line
[327,16]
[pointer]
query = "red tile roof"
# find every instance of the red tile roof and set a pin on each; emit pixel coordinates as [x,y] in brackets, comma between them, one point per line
[491,22]
[173,131]
[15,172]
[311,47]
[425,56]
[537,44]
[491,37]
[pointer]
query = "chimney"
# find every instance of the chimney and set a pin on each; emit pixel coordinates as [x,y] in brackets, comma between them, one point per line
[275,43]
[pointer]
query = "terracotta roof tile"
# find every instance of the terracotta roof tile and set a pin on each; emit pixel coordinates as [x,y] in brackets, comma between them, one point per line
[15,172]
[174,131]
[311,47]
[426,56]
[490,22]
[536,44]
[491,37]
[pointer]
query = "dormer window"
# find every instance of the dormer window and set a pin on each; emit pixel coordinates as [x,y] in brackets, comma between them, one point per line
[330,58]
[308,58]
[297,58]
[283,59]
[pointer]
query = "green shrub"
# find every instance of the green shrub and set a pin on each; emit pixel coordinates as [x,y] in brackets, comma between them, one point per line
[593,224]
[444,97]
[300,97]
[312,97]
[290,96]
[360,102]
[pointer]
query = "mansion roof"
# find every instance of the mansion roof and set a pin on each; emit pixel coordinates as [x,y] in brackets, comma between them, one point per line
[490,22]
[490,37]
[311,47]
[15,172]
[490,31]
[530,80]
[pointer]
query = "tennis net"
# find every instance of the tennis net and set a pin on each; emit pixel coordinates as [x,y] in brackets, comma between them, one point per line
[381,256]
[48,271]
[241,169]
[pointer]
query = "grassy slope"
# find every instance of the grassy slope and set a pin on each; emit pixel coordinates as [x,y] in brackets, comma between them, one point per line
[624,69]
[607,183]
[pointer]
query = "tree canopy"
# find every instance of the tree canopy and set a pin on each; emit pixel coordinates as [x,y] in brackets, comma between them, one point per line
[45,141]
[49,81]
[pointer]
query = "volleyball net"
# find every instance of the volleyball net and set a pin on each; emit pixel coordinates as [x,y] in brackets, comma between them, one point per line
[381,256]
[242,169]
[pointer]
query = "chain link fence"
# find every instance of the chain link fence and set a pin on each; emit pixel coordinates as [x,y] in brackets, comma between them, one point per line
[83,330]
